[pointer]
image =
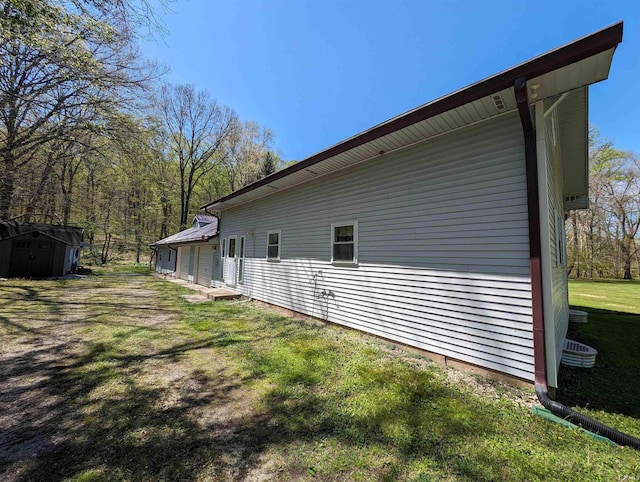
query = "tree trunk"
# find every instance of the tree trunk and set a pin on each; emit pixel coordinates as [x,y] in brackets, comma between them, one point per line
[105,249]
[7,182]
[626,254]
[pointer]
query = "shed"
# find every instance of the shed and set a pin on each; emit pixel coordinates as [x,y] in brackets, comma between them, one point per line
[37,250]
[442,228]
[189,254]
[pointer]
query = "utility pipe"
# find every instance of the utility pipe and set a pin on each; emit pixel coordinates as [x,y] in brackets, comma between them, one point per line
[535,261]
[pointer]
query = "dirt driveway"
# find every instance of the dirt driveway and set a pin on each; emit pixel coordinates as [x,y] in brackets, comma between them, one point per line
[98,382]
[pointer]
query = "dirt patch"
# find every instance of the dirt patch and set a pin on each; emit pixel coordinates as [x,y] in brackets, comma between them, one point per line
[99,379]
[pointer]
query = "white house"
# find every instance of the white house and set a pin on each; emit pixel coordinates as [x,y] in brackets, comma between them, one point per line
[442,228]
[189,254]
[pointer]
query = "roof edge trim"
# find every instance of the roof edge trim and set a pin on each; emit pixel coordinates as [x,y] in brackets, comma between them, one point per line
[577,50]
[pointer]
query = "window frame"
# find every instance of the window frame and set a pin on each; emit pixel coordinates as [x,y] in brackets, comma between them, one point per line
[354,260]
[560,241]
[279,245]
[242,246]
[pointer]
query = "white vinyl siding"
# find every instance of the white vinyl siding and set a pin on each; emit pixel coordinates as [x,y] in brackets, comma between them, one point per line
[442,247]
[166,260]
[558,325]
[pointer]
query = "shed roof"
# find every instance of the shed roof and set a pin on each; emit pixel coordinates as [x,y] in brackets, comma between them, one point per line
[573,66]
[192,235]
[69,235]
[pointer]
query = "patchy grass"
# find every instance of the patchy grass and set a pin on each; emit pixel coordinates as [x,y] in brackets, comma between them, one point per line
[611,390]
[116,377]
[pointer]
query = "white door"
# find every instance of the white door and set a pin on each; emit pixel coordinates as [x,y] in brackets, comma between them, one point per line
[230,262]
[205,263]
[183,255]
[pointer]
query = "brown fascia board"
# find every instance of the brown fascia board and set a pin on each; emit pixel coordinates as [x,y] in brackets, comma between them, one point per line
[568,54]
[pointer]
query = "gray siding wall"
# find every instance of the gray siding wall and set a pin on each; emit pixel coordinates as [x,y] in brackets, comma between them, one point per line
[165,265]
[443,253]
[557,241]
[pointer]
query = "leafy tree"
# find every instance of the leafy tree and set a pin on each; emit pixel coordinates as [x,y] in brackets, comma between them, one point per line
[270,163]
[602,238]
[197,128]
[58,61]
[244,150]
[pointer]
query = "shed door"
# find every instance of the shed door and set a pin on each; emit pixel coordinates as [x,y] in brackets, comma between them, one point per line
[184,263]
[192,262]
[205,264]
[31,258]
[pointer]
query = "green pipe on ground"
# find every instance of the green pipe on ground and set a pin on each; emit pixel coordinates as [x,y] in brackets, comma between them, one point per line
[546,414]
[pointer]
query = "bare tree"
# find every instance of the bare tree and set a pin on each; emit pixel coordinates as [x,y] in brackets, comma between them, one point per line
[197,127]
[56,61]
[245,148]
[622,198]
[602,238]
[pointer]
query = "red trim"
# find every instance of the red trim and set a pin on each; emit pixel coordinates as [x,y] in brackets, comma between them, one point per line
[575,51]
[535,243]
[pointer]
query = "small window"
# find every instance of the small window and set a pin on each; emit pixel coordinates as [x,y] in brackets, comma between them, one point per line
[560,240]
[273,245]
[241,260]
[344,243]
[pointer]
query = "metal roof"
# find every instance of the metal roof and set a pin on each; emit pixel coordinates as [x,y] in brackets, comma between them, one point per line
[69,235]
[204,219]
[573,66]
[192,235]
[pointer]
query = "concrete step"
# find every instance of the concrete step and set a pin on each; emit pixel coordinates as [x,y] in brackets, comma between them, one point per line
[208,293]
[219,294]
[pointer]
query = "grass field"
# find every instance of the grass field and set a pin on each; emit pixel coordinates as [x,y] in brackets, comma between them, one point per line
[117,377]
[613,385]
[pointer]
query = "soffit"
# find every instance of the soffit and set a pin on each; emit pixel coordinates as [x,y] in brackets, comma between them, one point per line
[476,111]
[573,127]
[569,67]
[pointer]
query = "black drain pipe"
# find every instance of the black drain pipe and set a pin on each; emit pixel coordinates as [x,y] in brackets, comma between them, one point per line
[535,262]
[584,421]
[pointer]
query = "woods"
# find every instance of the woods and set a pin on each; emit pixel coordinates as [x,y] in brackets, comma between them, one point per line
[90,135]
[602,239]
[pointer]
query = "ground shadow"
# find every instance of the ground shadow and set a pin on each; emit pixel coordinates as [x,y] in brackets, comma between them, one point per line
[613,385]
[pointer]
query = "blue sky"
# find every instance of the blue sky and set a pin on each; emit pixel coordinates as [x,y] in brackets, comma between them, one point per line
[317,72]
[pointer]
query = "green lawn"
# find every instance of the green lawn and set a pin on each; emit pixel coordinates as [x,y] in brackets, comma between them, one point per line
[116,377]
[613,385]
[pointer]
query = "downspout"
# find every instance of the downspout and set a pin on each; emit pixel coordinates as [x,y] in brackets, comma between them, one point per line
[206,210]
[535,262]
[217,216]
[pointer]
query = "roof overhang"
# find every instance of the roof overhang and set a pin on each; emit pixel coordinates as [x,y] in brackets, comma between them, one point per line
[573,66]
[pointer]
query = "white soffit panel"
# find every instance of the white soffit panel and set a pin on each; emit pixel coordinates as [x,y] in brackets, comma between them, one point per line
[579,74]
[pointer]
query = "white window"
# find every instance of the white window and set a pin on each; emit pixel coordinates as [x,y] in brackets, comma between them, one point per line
[241,260]
[560,243]
[344,243]
[273,245]
[223,255]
